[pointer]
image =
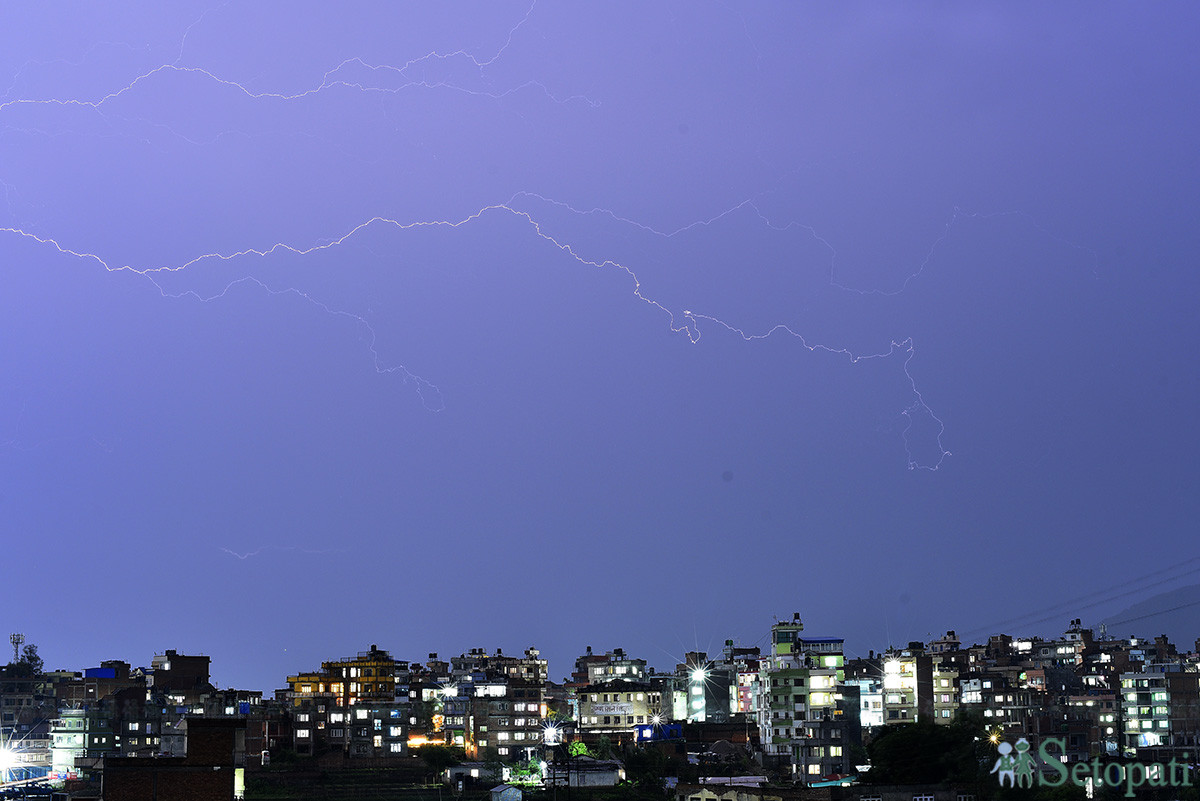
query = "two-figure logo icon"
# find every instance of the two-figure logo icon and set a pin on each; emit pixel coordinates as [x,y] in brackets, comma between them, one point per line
[1018,769]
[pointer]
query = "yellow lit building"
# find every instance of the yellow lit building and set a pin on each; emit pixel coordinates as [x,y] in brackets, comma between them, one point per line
[359,705]
[368,678]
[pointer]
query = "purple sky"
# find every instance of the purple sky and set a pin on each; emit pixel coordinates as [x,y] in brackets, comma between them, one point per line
[255,404]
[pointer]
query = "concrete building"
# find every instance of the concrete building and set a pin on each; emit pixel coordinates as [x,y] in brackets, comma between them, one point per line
[1161,711]
[870,694]
[584,771]
[212,770]
[708,688]
[350,705]
[800,719]
[919,687]
[614,709]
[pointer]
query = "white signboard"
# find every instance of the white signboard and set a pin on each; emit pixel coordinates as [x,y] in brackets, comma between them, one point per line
[612,709]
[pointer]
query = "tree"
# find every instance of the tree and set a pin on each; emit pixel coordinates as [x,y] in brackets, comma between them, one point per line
[440,757]
[30,664]
[30,657]
[925,753]
[493,765]
[603,749]
[646,767]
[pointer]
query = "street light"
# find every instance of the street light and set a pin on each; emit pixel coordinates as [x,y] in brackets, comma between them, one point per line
[8,761]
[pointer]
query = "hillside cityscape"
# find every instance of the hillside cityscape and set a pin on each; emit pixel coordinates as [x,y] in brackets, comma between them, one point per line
[794,718]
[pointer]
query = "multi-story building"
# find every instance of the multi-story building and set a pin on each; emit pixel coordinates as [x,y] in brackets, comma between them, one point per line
[900,688]
[801,720]
[369,677]
[708,688]
[870,695]
[351,705]
[997,695]
[27,705]
[1161,710]
[78,735]
[948,643]
[944,686]
[529,668]
[612,668]
[614,709]
[213,768]
[919,687]
[495,705]
[615,665]
[746,665]
[182,678]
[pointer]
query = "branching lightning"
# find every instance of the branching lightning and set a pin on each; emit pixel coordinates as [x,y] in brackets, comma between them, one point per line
[685,321]
[358,74]
[329,80]
[250,554]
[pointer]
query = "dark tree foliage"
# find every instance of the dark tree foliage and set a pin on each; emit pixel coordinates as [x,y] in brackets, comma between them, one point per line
[440,757]
[29,655]
[926,753]
[30,664]
[646,768]
[603,748]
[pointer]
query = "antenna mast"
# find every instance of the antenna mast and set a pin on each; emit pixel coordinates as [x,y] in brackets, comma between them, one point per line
[17,641]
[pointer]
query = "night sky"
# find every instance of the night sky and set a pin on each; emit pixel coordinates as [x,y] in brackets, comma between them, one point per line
[638,324]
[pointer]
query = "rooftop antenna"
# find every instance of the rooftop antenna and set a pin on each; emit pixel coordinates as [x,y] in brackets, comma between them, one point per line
[17,641]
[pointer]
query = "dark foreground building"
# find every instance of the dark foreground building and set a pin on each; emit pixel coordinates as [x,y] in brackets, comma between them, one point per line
[213,770]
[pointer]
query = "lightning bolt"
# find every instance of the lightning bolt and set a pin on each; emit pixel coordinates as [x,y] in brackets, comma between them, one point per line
[686,321]
[358,74]
[250,554]
[400,75]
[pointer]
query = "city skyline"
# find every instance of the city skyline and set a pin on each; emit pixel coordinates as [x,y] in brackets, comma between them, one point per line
[322,328]
[665,661]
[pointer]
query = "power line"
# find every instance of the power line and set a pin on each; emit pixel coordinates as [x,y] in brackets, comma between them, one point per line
[1154,614]
[1153,578]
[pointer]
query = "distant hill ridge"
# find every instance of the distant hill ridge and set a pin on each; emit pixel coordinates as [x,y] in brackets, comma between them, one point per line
[1175,613]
